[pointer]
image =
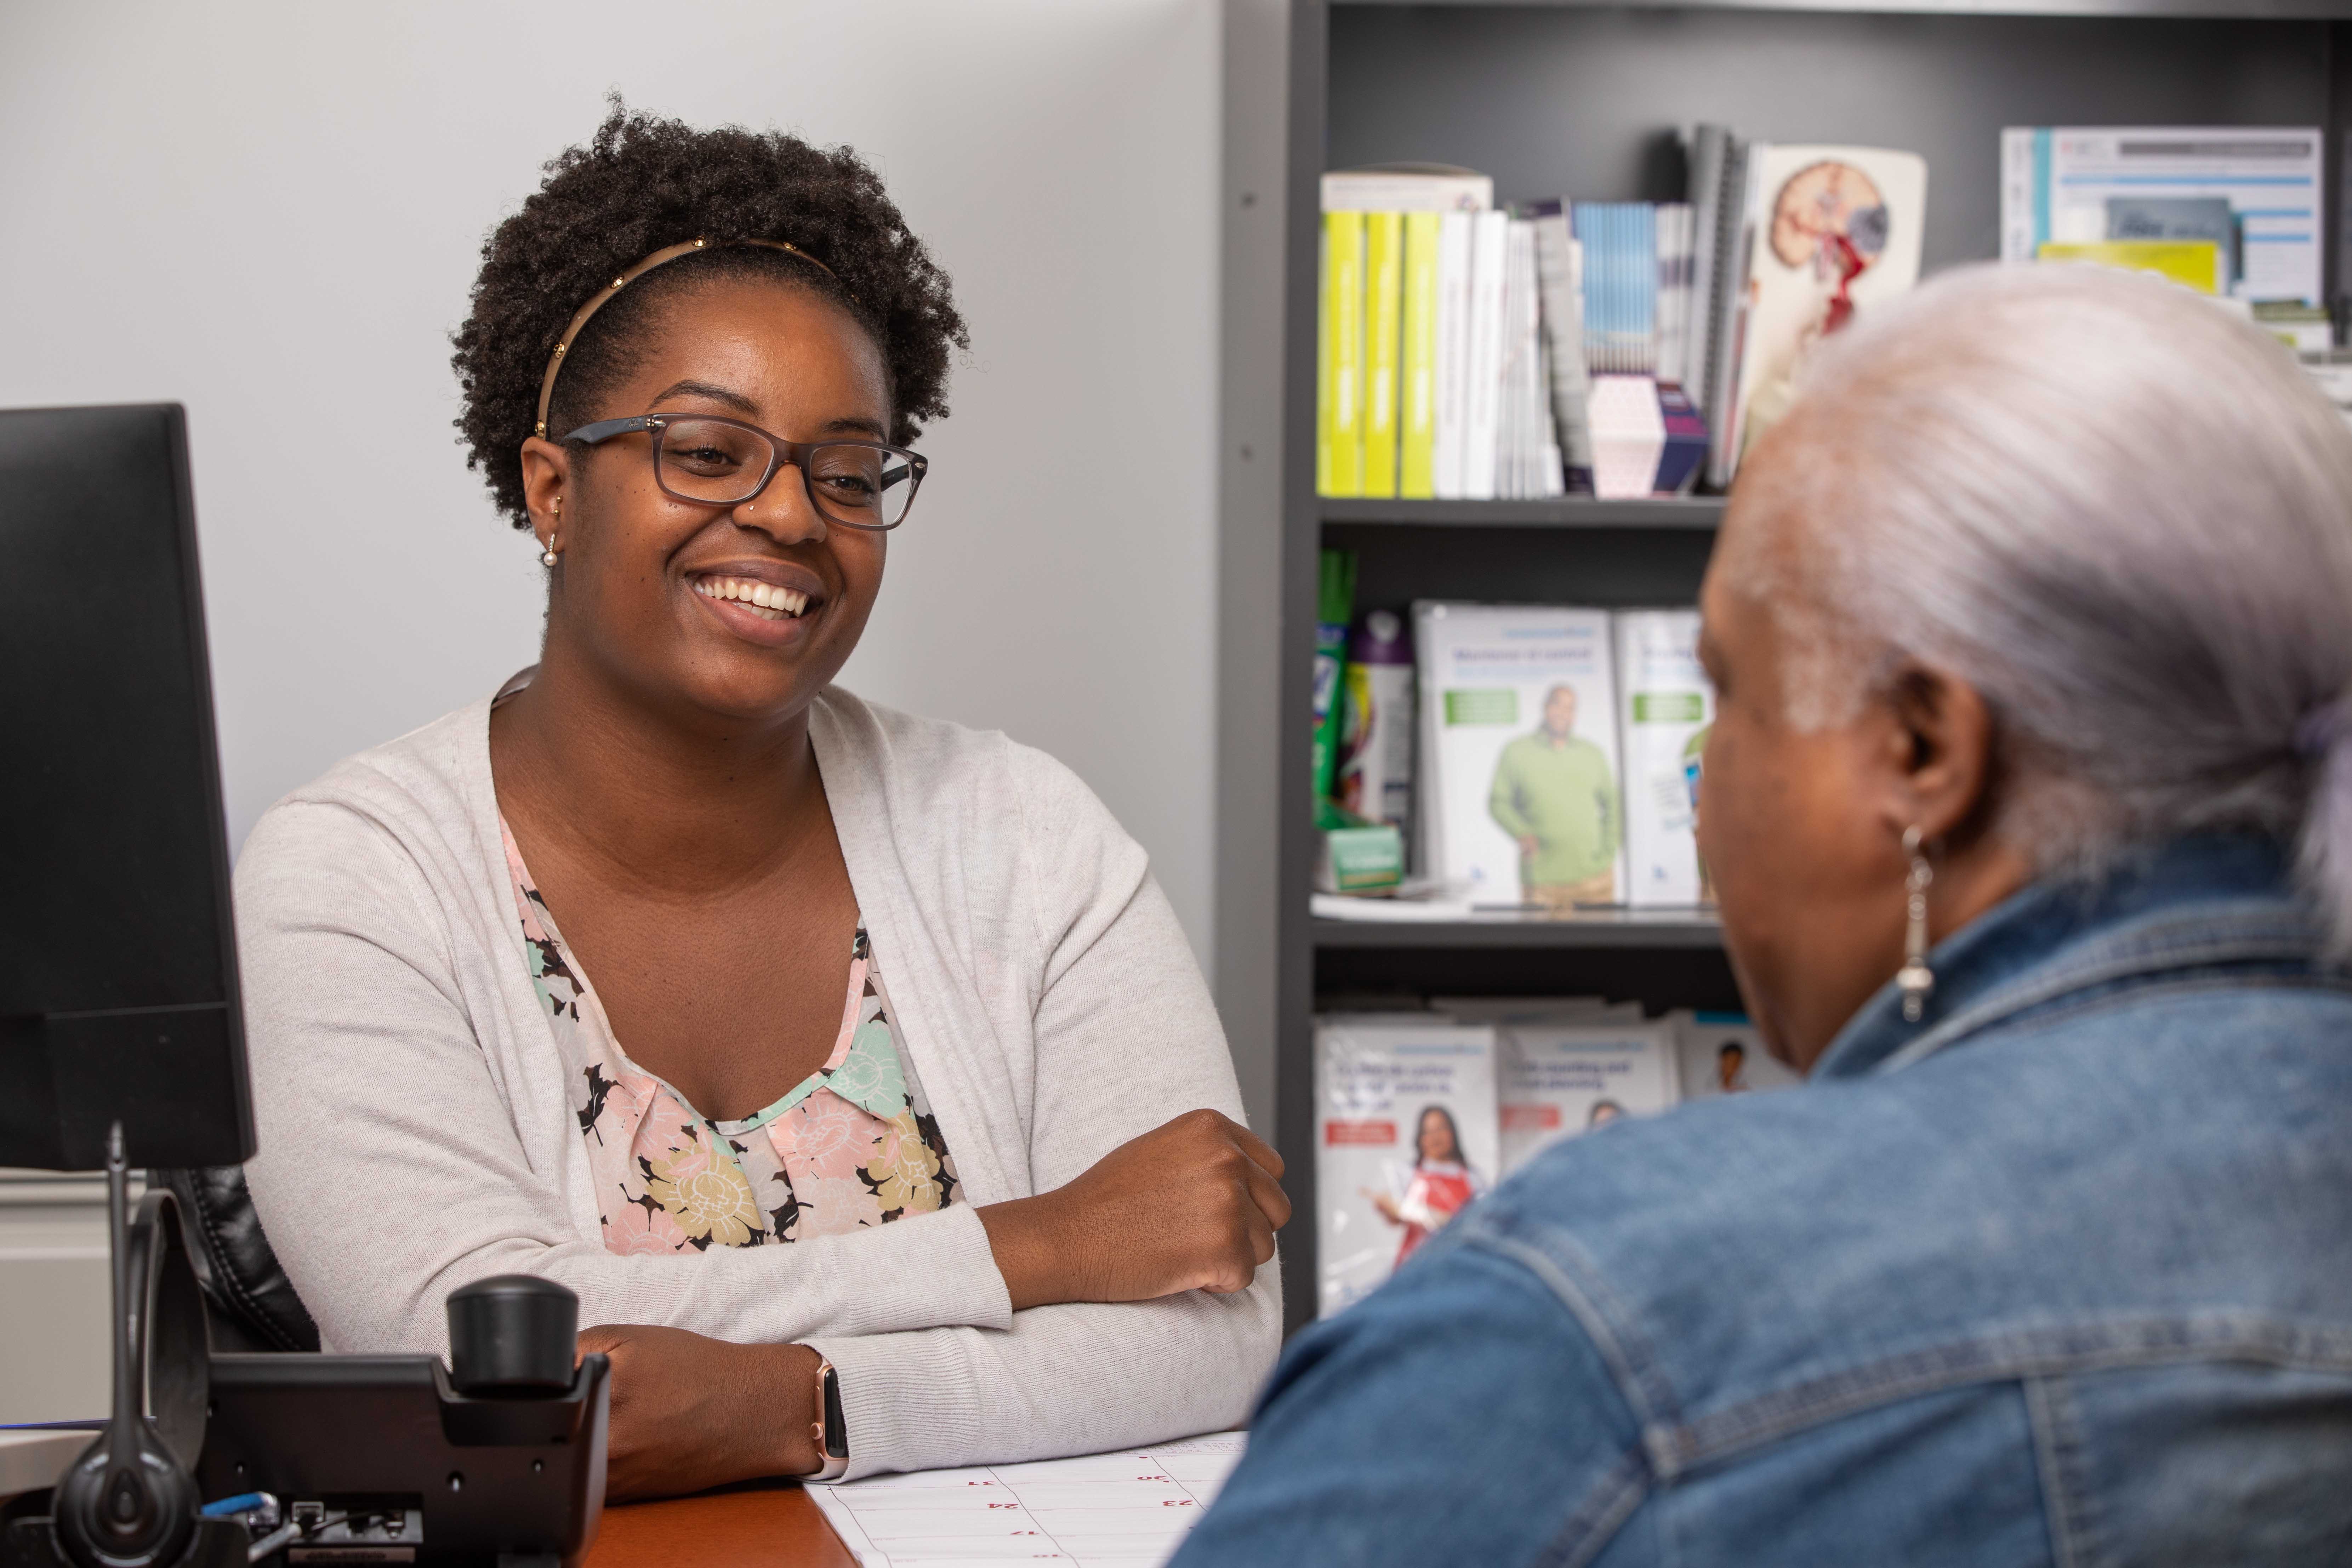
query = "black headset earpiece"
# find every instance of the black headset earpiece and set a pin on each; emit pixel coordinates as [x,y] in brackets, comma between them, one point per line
[126,1503]
[129,1501]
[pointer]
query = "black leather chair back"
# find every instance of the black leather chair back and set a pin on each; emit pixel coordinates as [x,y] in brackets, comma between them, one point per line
[251,1303]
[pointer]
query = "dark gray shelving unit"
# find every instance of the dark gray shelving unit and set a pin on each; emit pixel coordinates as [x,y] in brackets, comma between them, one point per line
[1583,100]
[1611,927]
[1567,512]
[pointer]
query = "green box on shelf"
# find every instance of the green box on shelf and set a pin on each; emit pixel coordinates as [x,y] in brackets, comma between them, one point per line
[1366,859]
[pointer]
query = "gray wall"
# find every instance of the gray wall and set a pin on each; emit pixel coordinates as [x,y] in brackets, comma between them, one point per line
[272,212]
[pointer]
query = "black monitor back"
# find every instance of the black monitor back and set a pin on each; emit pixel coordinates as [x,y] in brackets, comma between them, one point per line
[118,958]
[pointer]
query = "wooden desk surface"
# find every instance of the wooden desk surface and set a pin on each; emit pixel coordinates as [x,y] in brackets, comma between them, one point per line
[773,1528]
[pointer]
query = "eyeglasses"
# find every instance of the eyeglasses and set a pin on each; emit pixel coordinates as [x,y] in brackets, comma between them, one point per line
[707,461]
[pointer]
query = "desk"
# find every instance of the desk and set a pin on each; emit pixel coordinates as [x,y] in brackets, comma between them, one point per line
[772,1528]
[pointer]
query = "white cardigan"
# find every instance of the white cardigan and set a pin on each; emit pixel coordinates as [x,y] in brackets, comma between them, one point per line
[416,1131]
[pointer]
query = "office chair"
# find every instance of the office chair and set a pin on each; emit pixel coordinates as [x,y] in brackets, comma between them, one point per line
[250,1303]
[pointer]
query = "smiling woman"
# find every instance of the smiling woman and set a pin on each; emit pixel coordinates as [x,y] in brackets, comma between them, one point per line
[818,1047]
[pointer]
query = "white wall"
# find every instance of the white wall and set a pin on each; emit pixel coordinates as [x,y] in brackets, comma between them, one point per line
[272,212]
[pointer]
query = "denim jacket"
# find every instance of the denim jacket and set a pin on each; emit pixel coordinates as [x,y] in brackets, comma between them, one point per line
[2060,1274]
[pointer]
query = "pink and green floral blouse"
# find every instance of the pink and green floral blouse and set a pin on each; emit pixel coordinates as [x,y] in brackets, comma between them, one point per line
[853,1144]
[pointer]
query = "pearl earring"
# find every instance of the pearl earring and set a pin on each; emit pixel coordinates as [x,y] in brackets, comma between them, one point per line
[1914,979]
[547,556]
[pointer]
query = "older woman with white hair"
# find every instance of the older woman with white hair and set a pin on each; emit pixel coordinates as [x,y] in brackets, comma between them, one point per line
[2029,807]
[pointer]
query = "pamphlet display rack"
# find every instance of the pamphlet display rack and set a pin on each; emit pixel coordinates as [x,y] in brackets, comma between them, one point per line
[1578,99]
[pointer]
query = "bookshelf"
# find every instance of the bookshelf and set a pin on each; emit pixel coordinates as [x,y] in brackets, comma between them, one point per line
[1571,97]
[1565,511]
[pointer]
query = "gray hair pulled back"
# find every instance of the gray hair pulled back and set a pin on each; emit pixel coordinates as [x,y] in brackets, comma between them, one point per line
[2121,514]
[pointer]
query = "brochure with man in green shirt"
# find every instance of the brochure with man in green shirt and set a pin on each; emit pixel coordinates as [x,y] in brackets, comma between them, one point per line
[1555,794]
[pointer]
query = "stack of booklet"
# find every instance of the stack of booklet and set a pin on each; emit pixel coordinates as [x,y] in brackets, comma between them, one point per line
[1539,758]
[1432,377]
[1560,753]
[1459,344]
[1418,1113]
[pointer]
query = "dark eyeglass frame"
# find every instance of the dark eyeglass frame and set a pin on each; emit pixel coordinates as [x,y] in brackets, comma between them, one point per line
[783,454]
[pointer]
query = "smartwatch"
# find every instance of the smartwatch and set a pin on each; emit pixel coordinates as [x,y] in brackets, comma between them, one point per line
[831,1428]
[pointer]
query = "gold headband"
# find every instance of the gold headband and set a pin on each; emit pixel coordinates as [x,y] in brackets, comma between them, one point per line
[603,296]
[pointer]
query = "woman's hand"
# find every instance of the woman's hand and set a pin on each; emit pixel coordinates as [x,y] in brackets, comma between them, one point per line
[690,1413]
[1385,1203]
[1193,1205]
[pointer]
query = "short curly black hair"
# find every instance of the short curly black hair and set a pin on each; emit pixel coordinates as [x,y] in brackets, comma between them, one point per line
[643,183]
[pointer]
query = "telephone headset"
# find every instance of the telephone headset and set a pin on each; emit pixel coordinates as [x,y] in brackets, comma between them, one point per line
[133,1497]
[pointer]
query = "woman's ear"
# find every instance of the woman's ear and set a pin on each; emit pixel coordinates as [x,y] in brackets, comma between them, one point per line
[1939,751]
[546,475]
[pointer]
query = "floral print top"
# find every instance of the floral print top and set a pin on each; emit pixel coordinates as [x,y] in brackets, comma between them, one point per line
[853,1144]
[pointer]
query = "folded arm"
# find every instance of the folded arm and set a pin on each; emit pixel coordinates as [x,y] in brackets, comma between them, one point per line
[392,1169]
[1143,1191]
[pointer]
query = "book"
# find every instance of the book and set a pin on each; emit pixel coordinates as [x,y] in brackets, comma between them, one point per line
[1450,445]
[1519,767]
[2079,184]
[2192,263]
[1727,233]
[1417,355]
[1828,233]
[1407,188]
[1706,149]
[1685,442]
[1383,296]
[1620,271]
[1340,359]
[1664,706]
[1405,1138]
[1674,289]
[1514,439]
[2184,218]
[1721,1053]
[1377,722]
[1483,354]
[2306,328]
[1629,436]
[1544,454]
[1559,287]
[1555,1079]
[1529,457]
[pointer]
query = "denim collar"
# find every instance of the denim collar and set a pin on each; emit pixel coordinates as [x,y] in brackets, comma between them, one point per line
[2198,901]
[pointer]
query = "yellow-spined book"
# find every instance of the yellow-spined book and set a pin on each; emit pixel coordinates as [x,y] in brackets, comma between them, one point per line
[1417,360]
[2194,263]
[1339,360]
[1384,286]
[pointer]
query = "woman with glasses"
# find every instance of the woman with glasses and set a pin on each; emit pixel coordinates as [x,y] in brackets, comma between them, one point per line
[849,1066]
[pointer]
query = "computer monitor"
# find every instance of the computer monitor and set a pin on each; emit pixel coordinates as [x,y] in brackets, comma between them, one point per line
[118,958]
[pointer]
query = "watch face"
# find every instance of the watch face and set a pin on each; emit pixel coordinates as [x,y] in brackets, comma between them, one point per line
[836,1441]
[1824,199]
